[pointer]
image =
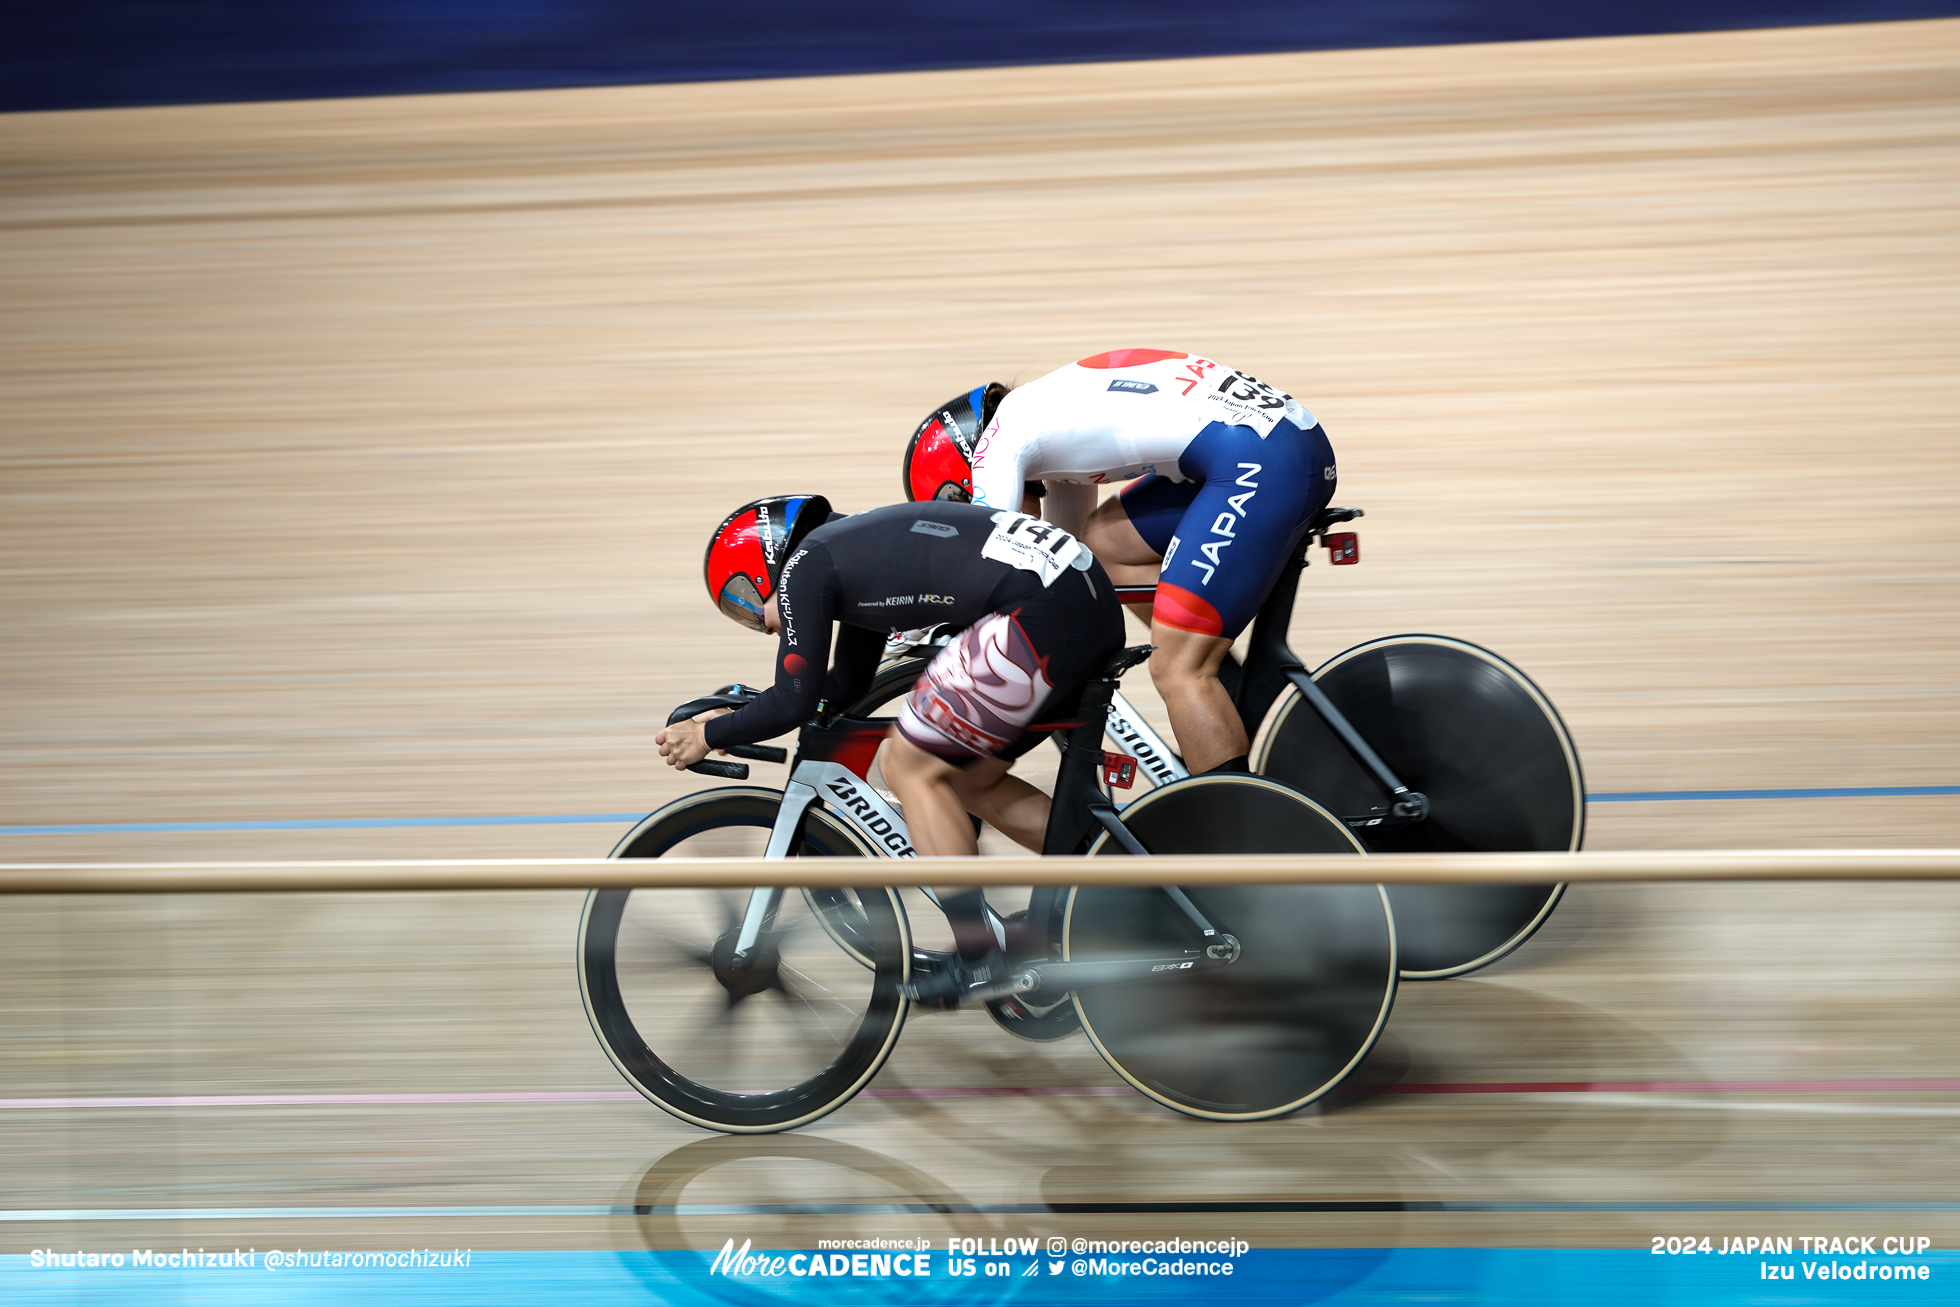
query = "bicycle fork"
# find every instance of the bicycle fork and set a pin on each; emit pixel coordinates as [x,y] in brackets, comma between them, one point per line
[785,835]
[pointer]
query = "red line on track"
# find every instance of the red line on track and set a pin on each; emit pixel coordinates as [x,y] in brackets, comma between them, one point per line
[1007,1091]
[1671,1087]
[1032,1091]
[326,1100]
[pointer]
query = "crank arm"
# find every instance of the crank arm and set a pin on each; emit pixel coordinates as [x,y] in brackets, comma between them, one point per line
[1058,976]
[1411,808]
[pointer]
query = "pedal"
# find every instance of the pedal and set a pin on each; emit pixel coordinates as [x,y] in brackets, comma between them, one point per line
[1040,1010]
[1017,982]
[1041,1023]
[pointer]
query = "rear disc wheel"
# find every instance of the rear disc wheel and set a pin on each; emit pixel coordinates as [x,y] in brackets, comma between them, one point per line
[1307,997]
[1470,731]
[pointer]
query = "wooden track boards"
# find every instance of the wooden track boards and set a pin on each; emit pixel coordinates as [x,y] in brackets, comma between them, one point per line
[359,455]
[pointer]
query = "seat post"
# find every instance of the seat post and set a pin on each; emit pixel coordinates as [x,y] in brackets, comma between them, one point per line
[1076,787]
[1263,677]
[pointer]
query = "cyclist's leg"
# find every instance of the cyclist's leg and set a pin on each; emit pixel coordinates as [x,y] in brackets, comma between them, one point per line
[972,705]
[937,795]
[1004,801]
[934,791]
[942,795]
[1140,524]
[1185,668]
[965,724]
[1254,498]
[970,711]
[1129,532]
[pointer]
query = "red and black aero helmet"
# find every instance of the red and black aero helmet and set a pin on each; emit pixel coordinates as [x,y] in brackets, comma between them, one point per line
[746,556]
[939,461]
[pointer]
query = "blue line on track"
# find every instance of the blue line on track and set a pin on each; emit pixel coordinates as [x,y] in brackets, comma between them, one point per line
[627,818]
[291,1213]
[1846,792]
[329,823]
[979,1209]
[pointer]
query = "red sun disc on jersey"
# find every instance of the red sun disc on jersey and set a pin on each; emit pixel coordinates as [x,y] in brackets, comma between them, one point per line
[796,664]
[1131,358]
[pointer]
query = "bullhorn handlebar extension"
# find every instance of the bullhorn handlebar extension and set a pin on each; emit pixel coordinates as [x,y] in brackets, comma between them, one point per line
[731,697]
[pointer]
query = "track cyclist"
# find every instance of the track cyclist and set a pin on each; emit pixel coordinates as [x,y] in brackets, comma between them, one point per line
[1230,472]
[1039,615]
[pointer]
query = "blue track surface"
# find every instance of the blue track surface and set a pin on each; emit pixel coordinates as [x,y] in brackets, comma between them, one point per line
[1530,1277]
[96,53]
[1838,792]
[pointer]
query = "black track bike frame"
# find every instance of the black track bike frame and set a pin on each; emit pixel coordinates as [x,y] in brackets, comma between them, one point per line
[1271,665]
[1078,812]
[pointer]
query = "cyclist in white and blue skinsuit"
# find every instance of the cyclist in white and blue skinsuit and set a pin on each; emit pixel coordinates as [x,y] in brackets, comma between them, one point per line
[1231,473]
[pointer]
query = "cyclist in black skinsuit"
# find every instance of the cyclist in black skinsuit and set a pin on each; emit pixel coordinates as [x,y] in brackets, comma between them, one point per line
[1039,615]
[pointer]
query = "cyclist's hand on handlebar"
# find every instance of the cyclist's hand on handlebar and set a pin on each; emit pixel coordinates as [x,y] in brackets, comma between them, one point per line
[685,743]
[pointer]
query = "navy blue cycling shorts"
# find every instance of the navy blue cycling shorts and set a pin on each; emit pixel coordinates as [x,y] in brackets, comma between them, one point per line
[1225,531]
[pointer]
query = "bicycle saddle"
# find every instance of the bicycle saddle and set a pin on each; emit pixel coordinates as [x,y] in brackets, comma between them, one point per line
[1123,660]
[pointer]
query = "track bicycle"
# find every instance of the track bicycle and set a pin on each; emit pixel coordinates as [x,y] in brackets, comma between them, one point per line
[765,1010]
[1421,743]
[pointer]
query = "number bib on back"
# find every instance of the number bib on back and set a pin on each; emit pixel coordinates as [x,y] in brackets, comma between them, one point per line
[1035,546]
[1249,402]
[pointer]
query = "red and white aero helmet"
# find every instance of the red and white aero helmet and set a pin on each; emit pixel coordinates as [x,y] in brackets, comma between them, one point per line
[746,556]
[939,461]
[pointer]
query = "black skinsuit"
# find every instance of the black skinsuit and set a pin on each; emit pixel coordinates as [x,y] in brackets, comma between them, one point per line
[900,569]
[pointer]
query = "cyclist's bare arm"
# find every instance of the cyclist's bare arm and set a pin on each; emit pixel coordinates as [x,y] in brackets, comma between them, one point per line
[1068,505]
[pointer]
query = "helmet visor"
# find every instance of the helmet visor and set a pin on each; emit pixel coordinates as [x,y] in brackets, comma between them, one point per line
[740,600]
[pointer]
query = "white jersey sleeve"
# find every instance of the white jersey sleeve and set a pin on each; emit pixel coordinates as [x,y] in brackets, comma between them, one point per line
[1001,457]
[1116,416]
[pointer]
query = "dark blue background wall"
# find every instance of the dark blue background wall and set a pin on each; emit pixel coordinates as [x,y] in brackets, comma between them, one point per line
[84,53]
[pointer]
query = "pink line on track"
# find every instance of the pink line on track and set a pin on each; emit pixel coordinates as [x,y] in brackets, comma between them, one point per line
[1034,1091]
[539,1096]
[1010,1091]
[1672,1087]
[328,1100]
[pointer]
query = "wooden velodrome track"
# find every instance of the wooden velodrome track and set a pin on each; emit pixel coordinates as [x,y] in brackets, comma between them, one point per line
[358,457]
